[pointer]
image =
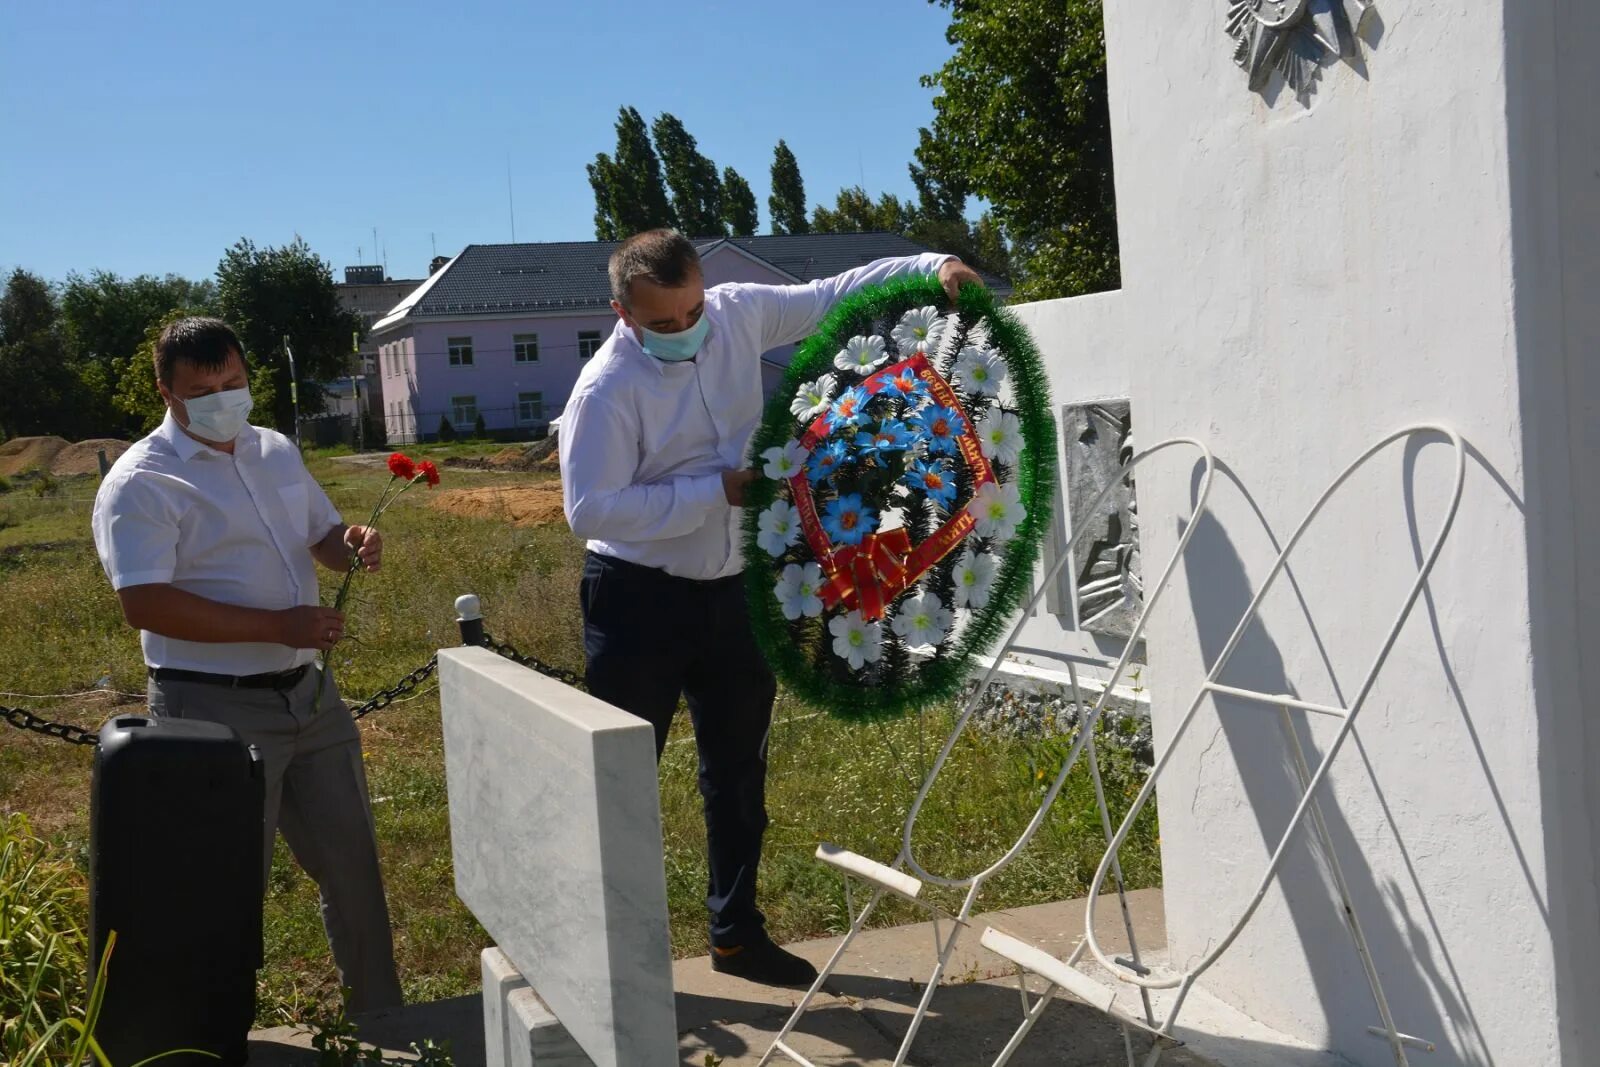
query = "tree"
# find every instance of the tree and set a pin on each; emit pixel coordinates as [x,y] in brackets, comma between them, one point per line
[40,389]
[106,316]
[1022,120]
[106,319]
[787,204]
[738,204]
[629,196]
[855,212]
[267,294]
[692,178]
[136,396]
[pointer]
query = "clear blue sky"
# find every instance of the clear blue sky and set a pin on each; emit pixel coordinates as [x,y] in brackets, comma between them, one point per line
[146,138]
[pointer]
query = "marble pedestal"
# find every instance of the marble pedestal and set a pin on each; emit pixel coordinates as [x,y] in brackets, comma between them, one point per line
[556,836]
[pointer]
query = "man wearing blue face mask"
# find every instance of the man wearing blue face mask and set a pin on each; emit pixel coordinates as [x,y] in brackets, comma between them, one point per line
[210,530]
[652,452]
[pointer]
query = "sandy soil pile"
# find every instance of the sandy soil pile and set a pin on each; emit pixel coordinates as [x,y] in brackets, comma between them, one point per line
[81,457]
[29,453]
[520,505]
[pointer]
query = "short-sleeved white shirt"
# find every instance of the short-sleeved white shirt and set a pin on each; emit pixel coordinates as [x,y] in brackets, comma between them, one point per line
[232,528]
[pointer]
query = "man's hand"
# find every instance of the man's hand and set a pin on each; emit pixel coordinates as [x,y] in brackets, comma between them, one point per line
[734,483]
[310,626]
[366,543]
[953,275]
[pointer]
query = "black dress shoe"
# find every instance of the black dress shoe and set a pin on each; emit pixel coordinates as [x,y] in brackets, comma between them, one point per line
[763,962]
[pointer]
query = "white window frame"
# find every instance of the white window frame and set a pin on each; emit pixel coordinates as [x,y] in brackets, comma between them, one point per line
[471,408]
[585,337]
[519,344]
[459,351]
[536,419]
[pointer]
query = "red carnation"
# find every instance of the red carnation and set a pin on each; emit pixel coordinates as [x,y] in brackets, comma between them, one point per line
[428,471]
[400,466]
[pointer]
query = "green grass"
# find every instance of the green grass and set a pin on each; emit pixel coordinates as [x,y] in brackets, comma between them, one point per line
[850,784]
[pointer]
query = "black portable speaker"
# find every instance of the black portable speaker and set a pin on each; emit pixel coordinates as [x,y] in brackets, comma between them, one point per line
[175,844]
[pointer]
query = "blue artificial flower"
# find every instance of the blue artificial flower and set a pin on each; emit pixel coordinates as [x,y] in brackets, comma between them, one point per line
[825,460]
[849,410]
[939,426]
[846,521]
[905,383]
[932,478]
[890,436]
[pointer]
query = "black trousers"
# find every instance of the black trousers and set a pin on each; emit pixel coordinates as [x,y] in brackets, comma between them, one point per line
[650,638]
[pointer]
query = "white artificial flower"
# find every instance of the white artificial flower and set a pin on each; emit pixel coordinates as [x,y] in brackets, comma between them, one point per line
[920,330]
[981,371]
[861,354]
[922,620]
[997,510]
[974,575]
[855,639]
[780,527]
[797,590]
[1000,436]
[813,398]
[785,461]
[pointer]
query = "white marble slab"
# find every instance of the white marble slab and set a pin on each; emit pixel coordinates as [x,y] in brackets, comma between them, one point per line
[500,977]
[555,827]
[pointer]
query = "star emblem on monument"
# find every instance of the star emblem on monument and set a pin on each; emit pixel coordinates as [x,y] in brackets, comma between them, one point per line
[1292,36]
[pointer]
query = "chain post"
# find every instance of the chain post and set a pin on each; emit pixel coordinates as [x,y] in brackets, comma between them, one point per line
[469,616]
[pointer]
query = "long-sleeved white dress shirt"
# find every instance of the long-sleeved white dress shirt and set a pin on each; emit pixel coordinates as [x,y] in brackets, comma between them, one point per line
[237,529]
[644,442]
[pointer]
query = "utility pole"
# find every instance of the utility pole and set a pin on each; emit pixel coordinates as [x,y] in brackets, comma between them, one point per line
[294,389]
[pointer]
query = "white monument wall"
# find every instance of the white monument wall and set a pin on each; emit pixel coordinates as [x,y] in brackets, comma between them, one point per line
[1416,240]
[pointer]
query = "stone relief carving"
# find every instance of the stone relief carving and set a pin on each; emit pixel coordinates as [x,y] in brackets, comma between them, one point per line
[1110,589]
[1292,36]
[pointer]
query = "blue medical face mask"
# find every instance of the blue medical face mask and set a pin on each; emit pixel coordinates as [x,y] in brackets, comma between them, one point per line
[676,347]
[218,416]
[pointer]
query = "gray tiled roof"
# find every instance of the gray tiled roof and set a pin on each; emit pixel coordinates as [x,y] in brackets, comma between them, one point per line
[496,279]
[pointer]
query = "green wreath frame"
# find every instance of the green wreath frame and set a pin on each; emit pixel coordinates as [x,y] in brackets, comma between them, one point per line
[937,679]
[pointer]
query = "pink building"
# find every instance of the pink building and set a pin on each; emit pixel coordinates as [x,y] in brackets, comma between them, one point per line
[502,331]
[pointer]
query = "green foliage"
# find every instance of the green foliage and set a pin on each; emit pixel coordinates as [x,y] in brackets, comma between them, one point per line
[136,395]
[267,294]
[43,949]
[629,194]
[855,212]
[338,1044]
[692,178]
[480,429]
[937,679]
[738,204]
[41,391]
[106,316]
[447,430]
[787,204]
[1022,120]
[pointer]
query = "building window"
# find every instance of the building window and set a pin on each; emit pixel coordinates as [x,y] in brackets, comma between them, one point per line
[460,351]
[526,346]
[588,343]
[530,408]
[464,411]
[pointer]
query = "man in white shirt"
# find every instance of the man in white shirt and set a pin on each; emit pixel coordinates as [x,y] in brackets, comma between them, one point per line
[210,530]
[652,467]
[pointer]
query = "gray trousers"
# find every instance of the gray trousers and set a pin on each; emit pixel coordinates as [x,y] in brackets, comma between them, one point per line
[316,794]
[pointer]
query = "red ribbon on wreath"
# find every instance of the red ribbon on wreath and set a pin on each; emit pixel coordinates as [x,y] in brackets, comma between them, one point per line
[867,577]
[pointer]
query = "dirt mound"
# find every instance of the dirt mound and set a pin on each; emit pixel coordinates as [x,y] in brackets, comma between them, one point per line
[82,458]
[29,453]
[541,455]
[520,505]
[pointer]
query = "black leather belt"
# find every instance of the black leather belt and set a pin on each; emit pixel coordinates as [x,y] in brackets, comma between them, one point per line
[273,680]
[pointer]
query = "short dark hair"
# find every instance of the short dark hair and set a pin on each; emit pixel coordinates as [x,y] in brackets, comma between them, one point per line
[203,341]
[665,257]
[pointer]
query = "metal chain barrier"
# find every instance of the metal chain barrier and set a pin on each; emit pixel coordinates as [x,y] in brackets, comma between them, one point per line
[560,674]
[61,731]
[385,697]
[77,735]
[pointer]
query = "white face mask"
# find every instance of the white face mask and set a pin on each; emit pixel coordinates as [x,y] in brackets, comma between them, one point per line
[219,416]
